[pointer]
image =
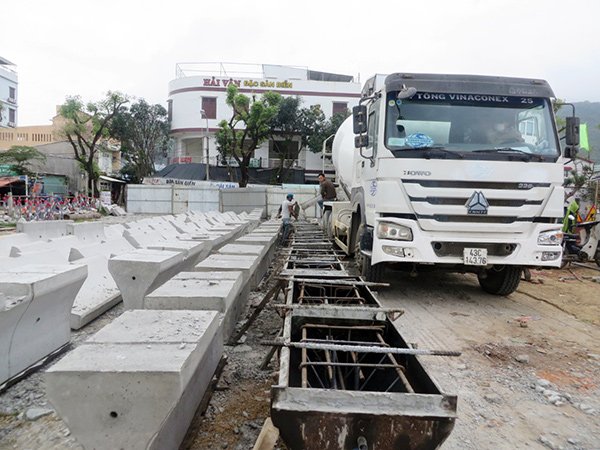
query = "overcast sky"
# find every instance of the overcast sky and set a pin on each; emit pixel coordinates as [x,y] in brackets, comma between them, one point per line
[74,47]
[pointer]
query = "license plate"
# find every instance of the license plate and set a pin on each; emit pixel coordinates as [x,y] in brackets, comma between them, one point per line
[475,256]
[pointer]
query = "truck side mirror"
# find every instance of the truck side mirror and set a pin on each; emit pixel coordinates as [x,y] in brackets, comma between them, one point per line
[359,119]
[571,137]
[572,131]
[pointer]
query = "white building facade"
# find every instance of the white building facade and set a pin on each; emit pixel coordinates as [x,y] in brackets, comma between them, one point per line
[197,103]
[8,94]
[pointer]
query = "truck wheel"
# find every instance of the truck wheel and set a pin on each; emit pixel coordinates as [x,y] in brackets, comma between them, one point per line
[371,272]
[597,258]
[327,224]
[501,281]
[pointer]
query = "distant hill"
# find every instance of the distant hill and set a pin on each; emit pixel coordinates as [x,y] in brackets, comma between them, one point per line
[588,112]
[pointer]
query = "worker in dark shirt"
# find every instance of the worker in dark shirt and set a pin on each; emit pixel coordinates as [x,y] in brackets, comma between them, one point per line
[328,193]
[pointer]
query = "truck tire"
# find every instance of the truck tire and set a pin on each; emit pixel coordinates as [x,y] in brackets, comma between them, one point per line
[327,224]
[501,281]
[597,258]
[370,272]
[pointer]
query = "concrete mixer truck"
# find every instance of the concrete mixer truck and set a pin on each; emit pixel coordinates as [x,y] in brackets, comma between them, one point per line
[452,172]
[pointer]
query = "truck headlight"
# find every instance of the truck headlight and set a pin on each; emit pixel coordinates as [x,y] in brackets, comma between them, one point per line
[553,237]
[388,230]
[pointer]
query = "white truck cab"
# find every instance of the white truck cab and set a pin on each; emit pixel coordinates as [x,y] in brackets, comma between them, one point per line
[456,171]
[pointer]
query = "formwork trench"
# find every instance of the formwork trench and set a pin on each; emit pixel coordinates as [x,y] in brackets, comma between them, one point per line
[333,337]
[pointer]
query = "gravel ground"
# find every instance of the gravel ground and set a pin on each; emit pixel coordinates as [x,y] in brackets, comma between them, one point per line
[527,377]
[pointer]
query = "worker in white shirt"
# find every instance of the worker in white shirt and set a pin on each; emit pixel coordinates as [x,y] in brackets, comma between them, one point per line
[287,210]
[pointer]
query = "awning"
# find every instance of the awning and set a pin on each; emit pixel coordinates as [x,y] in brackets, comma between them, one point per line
[5,181]
[112,180]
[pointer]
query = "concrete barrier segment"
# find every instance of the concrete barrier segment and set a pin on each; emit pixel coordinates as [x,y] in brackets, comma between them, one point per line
[87,231]
[194,293]
[247,264]
[98,294]
[193,251]
[34,314]
[139,272]
[140,378]
[13,240]
[44,229]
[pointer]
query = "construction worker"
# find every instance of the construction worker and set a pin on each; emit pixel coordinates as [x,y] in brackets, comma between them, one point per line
[328,192]
[571,216]
[288,209]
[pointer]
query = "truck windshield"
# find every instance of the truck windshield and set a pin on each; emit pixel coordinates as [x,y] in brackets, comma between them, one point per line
[470,126]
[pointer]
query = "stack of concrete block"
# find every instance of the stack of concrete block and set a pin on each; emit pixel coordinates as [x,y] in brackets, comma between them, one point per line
[35,305]
[137,383]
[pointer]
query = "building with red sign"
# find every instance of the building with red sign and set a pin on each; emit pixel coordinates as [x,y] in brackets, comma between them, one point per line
[197,104]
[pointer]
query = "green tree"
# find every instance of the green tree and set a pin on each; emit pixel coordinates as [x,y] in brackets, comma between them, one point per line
[249,126]
[87,128]
[143,131]
[294,124]
[20,157]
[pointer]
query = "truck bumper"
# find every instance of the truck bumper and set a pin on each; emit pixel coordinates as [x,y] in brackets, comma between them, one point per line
[447,247]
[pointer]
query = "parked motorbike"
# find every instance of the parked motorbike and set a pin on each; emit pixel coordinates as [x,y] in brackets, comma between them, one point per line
[588,251]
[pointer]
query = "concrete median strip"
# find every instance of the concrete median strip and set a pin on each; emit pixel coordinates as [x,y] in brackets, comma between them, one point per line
[137,383]
[35,306]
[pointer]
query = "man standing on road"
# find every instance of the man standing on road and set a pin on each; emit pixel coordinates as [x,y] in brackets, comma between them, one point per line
[328,193]
[287,210]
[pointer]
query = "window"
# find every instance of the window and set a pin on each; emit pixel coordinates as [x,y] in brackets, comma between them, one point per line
[339,107]
[209,105]
[12,115]
[12,93]
[170,110]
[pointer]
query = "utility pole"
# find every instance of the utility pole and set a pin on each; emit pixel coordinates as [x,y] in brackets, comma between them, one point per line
[203,114]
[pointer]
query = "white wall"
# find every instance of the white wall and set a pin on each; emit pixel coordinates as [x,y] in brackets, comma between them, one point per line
[186,94]
[176,199]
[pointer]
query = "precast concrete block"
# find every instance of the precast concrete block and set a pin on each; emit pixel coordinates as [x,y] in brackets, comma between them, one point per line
[193,251]
[87,231]
[262,251]
[44,229]
[98,294]
[139,272]
[186,291]
[111,247]
[258,238]
[137,383]
[247,264]
[13,240]
[60,246]
[268,240]
[43,257]
[34,314]
[114,231]
[243,249]
[189,229]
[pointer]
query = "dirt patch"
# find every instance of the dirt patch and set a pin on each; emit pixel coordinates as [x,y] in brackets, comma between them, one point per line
[571,290]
